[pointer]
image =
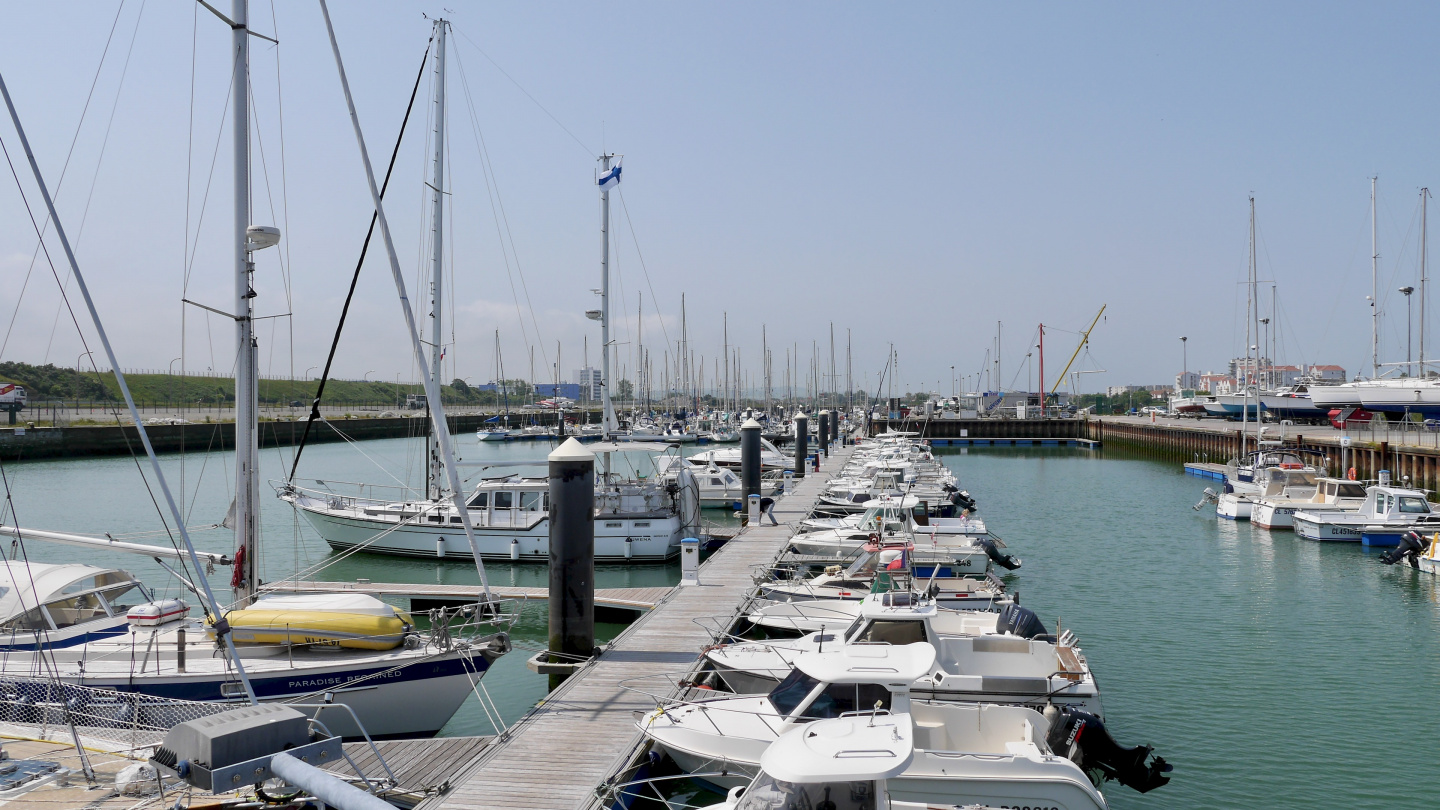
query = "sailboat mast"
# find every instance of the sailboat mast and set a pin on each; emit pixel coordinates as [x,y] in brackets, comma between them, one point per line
[1374,287]
[1424,196]
[609,408]
[433,474]
[1249,313]
[247,450]
[725,397]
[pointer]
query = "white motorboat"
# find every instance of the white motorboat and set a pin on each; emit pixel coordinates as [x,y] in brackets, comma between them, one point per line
[1383,506]
[1331,494]
[818,615]
[1285,482]
[770,457]
[873,571]
[1019,663]
[719,486]
[853,763]
[726,738]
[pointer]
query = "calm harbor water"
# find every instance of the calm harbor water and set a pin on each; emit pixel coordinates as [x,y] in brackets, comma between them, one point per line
[1269,670]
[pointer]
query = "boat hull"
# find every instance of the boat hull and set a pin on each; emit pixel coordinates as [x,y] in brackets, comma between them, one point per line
[1315,529]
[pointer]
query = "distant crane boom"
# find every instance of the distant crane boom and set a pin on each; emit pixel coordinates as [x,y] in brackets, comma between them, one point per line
[1084,338]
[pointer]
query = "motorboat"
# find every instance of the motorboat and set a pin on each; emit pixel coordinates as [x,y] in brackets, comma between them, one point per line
[719,487]
[1384,506]
[1019,663]
[1293,403]
[818,615]
[874,572]
[509,516]
[891,523]
[770,457]
[856,763]
[101,628]
[1190,406]
[1287,481]
[1420,552]
[1331,494]
[725,738]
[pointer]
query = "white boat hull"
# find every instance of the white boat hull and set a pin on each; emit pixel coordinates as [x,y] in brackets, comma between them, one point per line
[1233,506]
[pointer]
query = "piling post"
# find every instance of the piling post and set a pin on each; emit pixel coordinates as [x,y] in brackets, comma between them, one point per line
[824,433]
[802,442]
[749,460]
[572,555]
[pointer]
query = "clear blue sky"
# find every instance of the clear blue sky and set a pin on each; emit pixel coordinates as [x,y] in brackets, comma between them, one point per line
[913,172]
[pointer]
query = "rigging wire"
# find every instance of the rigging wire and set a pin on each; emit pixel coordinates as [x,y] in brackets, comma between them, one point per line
[355,277]
[654,301]
[588,151]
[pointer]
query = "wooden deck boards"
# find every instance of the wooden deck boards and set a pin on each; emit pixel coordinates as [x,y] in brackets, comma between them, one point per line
[635,598]
[584,732]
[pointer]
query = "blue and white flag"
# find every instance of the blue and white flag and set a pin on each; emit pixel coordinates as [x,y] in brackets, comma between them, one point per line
[610,178]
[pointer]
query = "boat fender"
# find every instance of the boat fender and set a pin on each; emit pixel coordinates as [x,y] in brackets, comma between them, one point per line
[1081,737]
[158,612]
[1019,621]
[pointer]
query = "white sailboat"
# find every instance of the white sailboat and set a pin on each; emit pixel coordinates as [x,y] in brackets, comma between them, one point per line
[100,628]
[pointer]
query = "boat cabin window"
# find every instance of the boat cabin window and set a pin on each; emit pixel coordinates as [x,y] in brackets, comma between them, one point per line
[530,501]
[1414,506]
[29,620]
[75,610]
[839,698]
[504,500]
[1352,491]
[480,501]
[123,598]
[908,631]
[791,692]
[769,793]
[717,481]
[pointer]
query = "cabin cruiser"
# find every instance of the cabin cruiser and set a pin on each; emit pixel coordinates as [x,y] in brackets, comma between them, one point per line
[1289,481]
[1245,405]
[102,628]
[921,522]
[1019,663]
[1190,406]
[874,571]
[852,763]
[1384,506]
[892,523]
[725,738]
[1331,494]
[510,515]
[770,457]
[719,486]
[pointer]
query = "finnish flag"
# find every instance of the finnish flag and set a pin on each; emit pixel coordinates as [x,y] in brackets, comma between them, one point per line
[610,178]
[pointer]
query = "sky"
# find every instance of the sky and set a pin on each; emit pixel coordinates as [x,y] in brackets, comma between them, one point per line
[918,175]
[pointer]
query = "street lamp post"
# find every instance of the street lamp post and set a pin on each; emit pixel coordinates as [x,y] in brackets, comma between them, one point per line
[1409,371]
[1184,363]
[952,382]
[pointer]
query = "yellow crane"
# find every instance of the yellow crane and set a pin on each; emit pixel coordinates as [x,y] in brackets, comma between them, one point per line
[1084,339]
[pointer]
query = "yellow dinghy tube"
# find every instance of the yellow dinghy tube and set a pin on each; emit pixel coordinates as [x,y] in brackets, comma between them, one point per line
[354,621]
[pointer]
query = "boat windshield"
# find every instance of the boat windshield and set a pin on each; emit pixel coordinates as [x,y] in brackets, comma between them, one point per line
[1414,506]
[791,692]
[839,698]
[769,793]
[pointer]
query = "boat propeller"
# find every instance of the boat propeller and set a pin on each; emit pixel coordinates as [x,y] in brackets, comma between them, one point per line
[1411,546]
[999,557]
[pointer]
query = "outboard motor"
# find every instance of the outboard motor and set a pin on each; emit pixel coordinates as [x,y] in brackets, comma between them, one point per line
[1081,737]
[999,557]
[963,500]
[1410,547]
[1019,621]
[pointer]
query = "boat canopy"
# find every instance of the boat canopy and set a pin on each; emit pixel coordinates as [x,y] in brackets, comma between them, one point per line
[69,592]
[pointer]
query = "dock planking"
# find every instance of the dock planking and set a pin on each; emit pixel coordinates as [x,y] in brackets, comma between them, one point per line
[584,732]
[628,598]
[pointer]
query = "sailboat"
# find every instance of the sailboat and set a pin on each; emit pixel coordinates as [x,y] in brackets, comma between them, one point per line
[103,630]
[506,517]
[493,431]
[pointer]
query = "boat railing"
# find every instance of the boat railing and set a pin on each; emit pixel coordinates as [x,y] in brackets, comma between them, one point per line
[326,490]
[47,709]
[672,691]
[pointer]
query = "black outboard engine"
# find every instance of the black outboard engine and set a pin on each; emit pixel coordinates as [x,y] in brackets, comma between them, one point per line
[1081,737]
[999,557]
[963,500]
[1019,621]
[1411,546]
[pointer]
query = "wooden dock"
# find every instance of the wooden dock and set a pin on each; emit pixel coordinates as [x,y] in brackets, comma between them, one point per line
[584,732]
[423,768]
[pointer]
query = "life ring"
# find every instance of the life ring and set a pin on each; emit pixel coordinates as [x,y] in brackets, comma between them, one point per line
[1350,473]
[1291,466]
[873,538]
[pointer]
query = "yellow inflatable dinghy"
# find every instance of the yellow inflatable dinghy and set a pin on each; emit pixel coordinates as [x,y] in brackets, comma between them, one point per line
[354,621]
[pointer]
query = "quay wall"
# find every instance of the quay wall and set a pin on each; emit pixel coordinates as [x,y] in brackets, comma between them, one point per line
[1204,441]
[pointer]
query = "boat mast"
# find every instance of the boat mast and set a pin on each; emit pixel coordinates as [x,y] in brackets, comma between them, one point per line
[1424,195]
[433,469]
[609,408]
[247,450]
[1374,288]
[725,397]
[1249,315]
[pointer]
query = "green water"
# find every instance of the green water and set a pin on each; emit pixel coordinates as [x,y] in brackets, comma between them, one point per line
[1271,671]
[101,495]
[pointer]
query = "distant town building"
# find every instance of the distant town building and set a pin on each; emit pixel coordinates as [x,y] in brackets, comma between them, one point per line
[550,390]
[1214,384]
[590,382]
[1327,373]
[1249,370]
[1187,381]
